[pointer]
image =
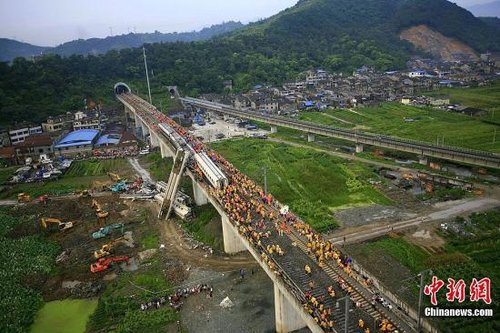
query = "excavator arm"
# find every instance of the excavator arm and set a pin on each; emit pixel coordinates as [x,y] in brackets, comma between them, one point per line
[104,263]
[45,222]
[106,248]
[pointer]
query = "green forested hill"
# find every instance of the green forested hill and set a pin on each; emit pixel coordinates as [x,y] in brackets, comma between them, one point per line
[337,35]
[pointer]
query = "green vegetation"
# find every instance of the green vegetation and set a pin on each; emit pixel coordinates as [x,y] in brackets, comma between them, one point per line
[201,228]
[158,167]
[57,187]
[21,258]
[118,309]
[336,35]
[98,167]
[442,193]
[6,174]
[471,251]
[408,254]
[429,125]
[485,98]
[80,176]
[64,316]
[313,184]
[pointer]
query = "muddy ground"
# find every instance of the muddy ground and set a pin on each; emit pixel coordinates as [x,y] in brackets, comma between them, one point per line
[74,278]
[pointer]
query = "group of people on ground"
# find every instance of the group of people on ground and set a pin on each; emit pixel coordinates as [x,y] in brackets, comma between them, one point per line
[175,300]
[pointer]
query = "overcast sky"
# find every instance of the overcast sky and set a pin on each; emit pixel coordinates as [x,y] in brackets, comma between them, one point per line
[51,22]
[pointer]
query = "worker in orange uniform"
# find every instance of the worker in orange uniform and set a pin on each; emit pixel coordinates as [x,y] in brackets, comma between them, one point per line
[361,323]
[308,270]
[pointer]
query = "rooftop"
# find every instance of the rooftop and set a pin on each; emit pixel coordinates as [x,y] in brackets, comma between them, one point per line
[108,139]
[76,138]
[36,141]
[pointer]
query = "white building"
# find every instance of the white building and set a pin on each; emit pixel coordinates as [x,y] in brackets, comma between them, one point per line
[18,135]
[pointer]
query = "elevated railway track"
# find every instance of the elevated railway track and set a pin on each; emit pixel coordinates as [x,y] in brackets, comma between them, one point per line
[266,226]
[422,149]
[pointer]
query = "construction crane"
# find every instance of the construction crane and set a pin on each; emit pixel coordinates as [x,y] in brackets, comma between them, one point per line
[104,263]
[46,222]
[106,248]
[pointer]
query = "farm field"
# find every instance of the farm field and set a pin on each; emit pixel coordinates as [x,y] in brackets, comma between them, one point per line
[428,125]
[486,98]
[99,168]
[28,255]
[81,175]
[158,167]
[470,253]
[70,315]
[313,184]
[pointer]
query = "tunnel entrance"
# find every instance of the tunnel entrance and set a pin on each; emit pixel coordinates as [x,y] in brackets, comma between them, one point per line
[121,88]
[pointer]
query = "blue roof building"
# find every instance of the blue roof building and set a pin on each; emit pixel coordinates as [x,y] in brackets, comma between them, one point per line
[108,139]
[77,141]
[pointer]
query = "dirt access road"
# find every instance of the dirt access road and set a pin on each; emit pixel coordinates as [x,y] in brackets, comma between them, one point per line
[177,243]
[443,211]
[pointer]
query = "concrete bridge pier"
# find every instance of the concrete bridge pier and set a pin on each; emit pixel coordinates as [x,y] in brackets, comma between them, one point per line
[165,151]
[274,129]
[153,140]
[359,147]
[232,240]
[310,137]
[137,126]
[145,129]
[287,317]
[422,160]
[199,196]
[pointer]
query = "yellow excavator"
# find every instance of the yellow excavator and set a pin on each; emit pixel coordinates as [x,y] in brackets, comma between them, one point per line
[101,214]
[23,197]
[46,222]
[83,194]
[114,176]
[106,248]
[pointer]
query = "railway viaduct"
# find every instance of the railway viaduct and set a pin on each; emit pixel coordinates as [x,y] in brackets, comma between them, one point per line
[291,283]
[421,149]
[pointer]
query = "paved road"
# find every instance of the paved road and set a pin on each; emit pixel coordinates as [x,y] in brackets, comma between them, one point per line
[140,170]
[8,202]
[447,210]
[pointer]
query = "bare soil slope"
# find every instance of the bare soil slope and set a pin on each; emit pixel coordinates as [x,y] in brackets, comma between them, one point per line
[423,37]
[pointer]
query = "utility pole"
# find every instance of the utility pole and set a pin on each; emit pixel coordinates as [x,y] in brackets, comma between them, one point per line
[494,136]
[347,299]
[420,297]
[265,180]
[147,75]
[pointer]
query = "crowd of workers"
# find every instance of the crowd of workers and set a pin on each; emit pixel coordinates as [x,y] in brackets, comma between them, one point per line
[257,215]
[175,300]
[108,153]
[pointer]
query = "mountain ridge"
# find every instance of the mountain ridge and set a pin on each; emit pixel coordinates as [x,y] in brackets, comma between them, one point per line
[335,35]
[10,49]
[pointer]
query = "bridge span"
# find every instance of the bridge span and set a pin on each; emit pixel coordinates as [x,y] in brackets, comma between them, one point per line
[330,298]
[422,149]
